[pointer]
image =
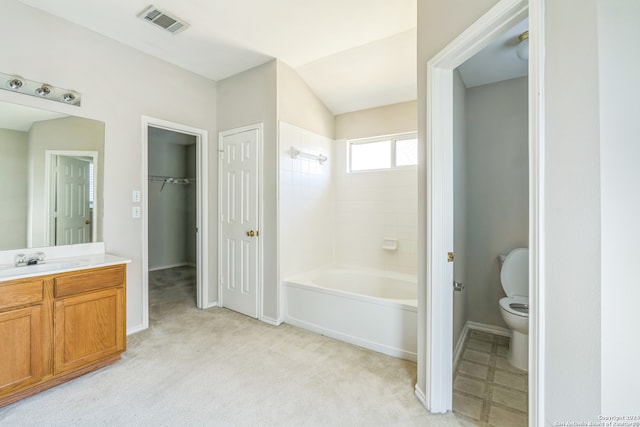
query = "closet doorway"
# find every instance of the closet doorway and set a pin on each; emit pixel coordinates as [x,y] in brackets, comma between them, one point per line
[174,211]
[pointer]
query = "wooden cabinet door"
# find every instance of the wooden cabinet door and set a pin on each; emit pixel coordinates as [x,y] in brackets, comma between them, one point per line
[88,327]
[20,348]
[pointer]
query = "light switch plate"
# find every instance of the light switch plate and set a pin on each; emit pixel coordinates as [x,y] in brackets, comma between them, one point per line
[135,198]
[136,212]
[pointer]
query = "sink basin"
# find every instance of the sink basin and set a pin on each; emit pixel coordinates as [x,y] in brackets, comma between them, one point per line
[44,267]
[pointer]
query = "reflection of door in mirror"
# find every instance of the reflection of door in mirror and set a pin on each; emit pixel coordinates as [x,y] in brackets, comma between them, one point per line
[71,200]
[29,138]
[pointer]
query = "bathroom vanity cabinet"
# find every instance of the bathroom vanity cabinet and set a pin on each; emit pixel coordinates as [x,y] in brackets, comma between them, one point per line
[56,327]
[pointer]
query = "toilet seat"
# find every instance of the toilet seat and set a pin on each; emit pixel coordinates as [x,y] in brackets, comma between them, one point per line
[505,304]
[514,274]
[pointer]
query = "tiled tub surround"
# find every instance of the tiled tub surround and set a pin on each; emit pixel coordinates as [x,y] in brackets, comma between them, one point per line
[344,217]
[487,391]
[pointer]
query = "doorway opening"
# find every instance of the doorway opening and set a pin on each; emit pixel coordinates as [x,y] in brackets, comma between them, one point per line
[436,302]
[490,221]
[174,210]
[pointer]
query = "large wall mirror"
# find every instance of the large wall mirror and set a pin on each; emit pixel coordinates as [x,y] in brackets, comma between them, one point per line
[50,178]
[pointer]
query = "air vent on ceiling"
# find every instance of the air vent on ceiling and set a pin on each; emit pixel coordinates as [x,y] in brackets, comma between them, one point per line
[163,19]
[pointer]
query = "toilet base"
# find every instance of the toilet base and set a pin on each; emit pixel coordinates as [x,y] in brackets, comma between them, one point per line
[518,354]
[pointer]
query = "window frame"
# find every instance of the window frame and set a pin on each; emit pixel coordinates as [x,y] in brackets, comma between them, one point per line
[393,138]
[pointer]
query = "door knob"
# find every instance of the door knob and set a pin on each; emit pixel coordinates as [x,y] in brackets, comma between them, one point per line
[251,233]
[87,222]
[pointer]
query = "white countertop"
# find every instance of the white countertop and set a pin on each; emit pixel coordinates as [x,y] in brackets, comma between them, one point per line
[60,265]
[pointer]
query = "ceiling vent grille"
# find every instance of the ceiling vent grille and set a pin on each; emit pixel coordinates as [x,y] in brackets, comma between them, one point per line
[163,19]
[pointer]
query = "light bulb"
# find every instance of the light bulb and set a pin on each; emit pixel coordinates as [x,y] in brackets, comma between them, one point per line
[523,47]
[15,83]
[43,90]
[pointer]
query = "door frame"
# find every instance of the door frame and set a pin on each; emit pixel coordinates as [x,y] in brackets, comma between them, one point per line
[202,210]
[435,305]
[48,189]
[259,127]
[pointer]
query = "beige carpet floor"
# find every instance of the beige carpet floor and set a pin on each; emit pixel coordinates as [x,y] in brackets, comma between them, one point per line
[219,368]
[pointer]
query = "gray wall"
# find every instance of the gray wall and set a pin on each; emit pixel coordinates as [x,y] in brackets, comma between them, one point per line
[172,210]
[573,345]
[459,204]
[439,22]
[619,92]
[385,120]
[299,106]
[119,85]
[245,99]
[13,189]
[67,133]
[497,189]
[572,211]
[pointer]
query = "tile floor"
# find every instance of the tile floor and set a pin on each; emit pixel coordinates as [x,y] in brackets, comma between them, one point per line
[487,391]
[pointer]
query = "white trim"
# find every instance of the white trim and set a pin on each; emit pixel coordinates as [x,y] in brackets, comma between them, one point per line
[271,321]
[457,351]
[474,326]
[202,210]
[179,264]
[435,304]
[490,329]
[420,395]
[259,127]
[537,285]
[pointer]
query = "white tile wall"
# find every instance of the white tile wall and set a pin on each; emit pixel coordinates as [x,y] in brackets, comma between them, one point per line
[371,206]
[330,217]
[307,212]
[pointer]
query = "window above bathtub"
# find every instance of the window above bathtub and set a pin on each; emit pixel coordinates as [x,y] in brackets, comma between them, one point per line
[382,153]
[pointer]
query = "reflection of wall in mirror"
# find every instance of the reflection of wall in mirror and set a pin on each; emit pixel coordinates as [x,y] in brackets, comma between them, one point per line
[68,133]
[13,189]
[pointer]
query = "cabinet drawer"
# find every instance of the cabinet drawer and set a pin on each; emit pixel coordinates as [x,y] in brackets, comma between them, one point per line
[89,280]
[15,294]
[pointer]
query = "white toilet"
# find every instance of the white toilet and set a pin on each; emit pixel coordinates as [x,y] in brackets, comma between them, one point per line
[514,308]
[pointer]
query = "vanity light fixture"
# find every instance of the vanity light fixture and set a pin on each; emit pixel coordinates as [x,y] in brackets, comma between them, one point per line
[69,97]
[523,46]
[44,90]
[16,83]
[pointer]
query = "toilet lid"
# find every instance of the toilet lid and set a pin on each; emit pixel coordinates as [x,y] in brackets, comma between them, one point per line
[514,274]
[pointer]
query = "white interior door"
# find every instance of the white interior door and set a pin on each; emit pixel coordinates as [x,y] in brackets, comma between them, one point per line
[72,214]
[239,261]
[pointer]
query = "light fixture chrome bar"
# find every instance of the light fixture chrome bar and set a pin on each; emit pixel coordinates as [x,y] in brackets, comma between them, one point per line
[14,83]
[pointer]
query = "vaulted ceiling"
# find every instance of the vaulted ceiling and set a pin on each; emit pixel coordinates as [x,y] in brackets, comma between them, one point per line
[354,54]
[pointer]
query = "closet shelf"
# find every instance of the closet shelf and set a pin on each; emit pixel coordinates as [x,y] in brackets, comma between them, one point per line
[171,180]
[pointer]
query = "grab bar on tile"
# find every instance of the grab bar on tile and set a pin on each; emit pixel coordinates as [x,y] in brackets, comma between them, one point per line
[295,153]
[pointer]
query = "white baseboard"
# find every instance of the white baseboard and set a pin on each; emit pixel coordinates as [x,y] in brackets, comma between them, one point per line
[211,305]
[164,267]
[421,396]
[270,321]
[136,329]
[457,351]
[491,329]
[475,326]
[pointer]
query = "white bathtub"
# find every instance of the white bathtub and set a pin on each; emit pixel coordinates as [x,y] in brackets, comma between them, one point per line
[372,309]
